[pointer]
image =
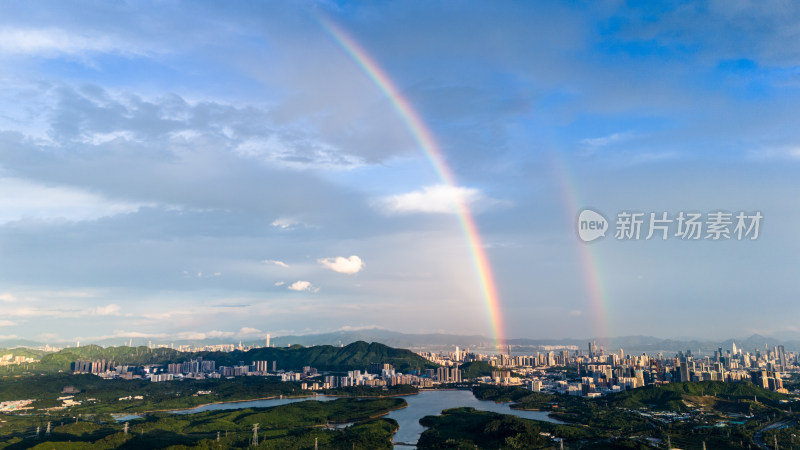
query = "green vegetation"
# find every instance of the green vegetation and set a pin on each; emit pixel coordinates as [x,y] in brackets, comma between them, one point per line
[22,351]
[467,428]
[787,433]
[710,395]
[523,398]
[477,369]
[355,356]
[793,383]
[296,425]
[62,360]
[156,396]
[721,415]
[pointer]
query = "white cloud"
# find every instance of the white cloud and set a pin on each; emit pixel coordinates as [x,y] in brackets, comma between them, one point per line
[360,328]
[183,335]
[64,313]
[161,315]
[648,157]
[122,334]
[284,223]
[439,198]
[297,155]
[7,323]
[103,138]
[198,336]
[51,41]
[108,310]
[280,283]
[8,298]
[48,337]
[276,262]
[340,264]
[26,200]
[303,286]
[764,154]
[605,141]
[249,331]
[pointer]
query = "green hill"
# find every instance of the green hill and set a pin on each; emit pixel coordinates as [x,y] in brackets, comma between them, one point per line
[477,369]
[23,351]
[356,356]
[132,356]
[713,394]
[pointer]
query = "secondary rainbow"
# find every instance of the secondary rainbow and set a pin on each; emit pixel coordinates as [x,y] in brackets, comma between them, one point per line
[425,139]
[590,268]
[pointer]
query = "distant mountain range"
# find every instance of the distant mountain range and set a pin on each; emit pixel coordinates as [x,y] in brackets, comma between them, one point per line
[484,344]
[437,341]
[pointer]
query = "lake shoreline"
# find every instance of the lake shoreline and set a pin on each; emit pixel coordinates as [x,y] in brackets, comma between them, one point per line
[278,397]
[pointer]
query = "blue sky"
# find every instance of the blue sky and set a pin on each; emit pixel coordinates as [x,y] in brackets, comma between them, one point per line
[189,170]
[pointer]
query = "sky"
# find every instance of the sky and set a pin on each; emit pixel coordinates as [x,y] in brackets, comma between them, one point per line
[190,170]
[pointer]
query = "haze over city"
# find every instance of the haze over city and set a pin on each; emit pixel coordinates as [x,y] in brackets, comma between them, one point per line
[199,170]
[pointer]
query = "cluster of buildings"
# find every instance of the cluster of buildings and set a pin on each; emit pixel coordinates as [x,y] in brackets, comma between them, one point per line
[599,373]
[194,368]
[562,370]
[376,375]
[608,373]
[107,369]
[15,405]
[9,360]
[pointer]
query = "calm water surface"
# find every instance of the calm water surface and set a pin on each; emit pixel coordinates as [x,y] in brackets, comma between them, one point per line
[426,403]
[431,403]
[252,404]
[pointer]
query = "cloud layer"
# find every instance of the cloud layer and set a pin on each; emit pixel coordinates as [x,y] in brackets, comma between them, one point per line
[146,149]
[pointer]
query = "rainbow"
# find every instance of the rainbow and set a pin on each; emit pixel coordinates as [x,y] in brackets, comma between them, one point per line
[425,139]
[590,268]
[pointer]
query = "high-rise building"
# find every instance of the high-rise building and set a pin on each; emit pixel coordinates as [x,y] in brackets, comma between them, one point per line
[267,340]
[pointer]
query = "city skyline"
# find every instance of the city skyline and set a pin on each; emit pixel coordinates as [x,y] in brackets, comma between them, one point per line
[199,171]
